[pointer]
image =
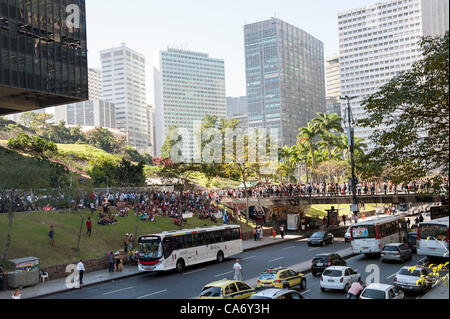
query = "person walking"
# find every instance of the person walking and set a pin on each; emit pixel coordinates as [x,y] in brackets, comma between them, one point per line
[238,273]
[89,227]
[421,218]
[125,243]
[255,234]
[344,219]
[51,235]
[111,262]
[81,270]
[282,231]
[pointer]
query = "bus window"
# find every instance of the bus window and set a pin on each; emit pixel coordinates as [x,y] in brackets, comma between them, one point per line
[167,247]
[209,238]
[179,242]
[188,243]
[226,235]
[198,239]
[236,234]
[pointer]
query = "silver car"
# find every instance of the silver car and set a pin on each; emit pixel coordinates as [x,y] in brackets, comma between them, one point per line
[274,293]
[396,252]
[408,280]
[382,291]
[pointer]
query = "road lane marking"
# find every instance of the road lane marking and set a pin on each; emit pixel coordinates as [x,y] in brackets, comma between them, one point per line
[305,292]
[112,292]
[276,259]
[249,258]
[314,249]
[194,271]
[226,273]
[154,293]
[391,276]
[289,247]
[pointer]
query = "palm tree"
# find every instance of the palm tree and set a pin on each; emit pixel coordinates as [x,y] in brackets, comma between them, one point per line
[307,135]
[328,125]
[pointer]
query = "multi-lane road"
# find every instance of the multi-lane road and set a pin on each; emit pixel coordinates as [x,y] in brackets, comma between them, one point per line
[187,285]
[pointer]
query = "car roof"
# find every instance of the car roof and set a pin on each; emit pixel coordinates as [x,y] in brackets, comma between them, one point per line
[337,268]
[394,244]
[271,292]
[324,255]
[276,269]
[382,287]
[221,283]
[416,267]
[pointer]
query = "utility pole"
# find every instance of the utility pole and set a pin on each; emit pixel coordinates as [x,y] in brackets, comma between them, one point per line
[351,136]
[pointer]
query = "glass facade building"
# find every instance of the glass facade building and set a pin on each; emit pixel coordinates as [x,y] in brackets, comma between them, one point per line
[43,54]
[285,77]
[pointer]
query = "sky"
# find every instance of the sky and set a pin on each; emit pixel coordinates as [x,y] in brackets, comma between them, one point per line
[208,26]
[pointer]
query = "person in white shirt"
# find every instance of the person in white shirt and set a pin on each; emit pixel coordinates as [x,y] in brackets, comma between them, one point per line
[16,294]
[237,271]
[81,270]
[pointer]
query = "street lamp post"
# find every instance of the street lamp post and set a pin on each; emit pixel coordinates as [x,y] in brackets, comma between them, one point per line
[355,207]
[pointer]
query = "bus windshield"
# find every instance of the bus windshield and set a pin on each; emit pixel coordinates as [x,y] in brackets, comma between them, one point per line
[361,232]
[430,231]
[150,248]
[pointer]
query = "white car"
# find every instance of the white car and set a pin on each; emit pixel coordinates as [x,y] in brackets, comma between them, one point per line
[339,278]
[382,291]
[408,280]
[274,293]
[347,235]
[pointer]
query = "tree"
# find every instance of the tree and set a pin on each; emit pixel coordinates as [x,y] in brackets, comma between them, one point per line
[102,138]
[328,125]
[410,115]
[307,137]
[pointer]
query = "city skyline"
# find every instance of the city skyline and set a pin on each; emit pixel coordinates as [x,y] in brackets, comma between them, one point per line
[184,26]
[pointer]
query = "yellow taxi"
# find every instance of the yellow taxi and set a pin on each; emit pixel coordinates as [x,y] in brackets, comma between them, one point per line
[281,278]
[227,289]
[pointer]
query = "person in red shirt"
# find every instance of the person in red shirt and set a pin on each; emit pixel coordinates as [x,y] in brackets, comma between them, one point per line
[89,227]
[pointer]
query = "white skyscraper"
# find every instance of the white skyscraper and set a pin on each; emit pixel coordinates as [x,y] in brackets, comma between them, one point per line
[190,85]
[95,84]
[380,41]
[123,78]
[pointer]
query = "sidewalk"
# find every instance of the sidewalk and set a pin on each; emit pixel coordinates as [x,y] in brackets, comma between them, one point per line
[438,292]
[102,276]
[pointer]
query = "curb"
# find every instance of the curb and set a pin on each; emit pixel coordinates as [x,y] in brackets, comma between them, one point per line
[142,273]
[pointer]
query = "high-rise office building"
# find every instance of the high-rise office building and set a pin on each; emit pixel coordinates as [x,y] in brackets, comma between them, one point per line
[43,54]
[333,79]
[95,84]
[96,113]
[237,109]
[124,84]
[285,77]
[380,41]
[193,85]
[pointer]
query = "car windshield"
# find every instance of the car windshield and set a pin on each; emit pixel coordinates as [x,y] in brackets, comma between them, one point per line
[317,235]
[406,272]
[322,259]
[211,292]
[373,294]
[332,273]
[268,276]
[150,248]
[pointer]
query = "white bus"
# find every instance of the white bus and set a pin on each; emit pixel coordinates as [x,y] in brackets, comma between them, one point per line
[432,238]
[178,249]
[371,236]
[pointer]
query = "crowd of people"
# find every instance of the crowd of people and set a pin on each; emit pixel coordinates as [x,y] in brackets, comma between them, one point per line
[333,189]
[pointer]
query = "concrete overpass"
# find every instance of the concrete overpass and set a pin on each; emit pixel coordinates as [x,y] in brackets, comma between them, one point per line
[279,207]
[312,200]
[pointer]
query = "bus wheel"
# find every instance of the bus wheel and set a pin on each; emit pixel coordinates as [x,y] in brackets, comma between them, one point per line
[220,257]
[180,265]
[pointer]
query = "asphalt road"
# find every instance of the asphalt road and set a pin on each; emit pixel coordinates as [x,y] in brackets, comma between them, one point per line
[187,285]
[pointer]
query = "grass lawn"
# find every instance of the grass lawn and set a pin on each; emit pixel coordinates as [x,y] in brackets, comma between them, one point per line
[30,235]
[320,210]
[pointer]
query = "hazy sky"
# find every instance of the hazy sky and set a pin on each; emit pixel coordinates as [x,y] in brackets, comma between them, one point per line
[209,26]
